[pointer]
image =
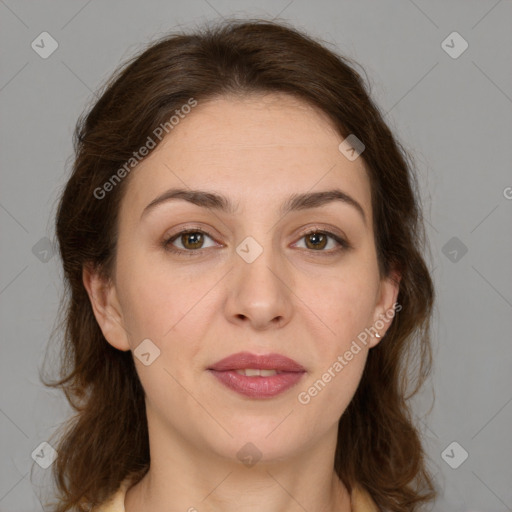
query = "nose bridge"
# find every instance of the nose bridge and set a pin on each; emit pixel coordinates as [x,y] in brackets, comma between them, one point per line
[258,258]
[260,292]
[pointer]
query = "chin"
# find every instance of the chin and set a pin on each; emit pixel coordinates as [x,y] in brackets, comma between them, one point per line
[262,443]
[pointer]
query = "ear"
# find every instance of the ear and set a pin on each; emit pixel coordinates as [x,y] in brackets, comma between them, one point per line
[105,304]
[385,307]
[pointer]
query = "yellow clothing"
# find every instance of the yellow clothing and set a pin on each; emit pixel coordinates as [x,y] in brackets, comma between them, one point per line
[361,501]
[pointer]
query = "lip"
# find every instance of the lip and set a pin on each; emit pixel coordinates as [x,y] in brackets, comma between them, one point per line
[290,374]
[243,360]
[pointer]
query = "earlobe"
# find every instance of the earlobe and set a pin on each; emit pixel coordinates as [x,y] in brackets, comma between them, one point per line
[105,305]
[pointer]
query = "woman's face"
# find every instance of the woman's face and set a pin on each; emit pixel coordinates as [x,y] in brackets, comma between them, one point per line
[247,279]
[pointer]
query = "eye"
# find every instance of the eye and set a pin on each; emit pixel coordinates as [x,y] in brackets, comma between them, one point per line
[317,240]
[191,240]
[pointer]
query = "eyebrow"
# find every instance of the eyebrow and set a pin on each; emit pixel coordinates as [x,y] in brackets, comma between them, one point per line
[221,203]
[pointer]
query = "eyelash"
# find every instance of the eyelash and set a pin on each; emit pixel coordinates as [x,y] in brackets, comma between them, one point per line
[344,245]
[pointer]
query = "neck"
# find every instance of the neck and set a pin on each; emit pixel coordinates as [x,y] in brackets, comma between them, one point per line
[273,491]
[187,477]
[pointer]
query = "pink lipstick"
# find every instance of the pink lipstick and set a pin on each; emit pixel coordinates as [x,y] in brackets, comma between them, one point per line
[258,376]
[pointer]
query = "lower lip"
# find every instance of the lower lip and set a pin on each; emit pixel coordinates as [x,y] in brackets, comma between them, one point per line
[258,387]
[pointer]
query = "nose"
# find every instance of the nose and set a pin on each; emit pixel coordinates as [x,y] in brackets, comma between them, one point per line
[260,292]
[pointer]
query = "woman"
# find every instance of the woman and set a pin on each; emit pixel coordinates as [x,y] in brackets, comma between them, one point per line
[242,242]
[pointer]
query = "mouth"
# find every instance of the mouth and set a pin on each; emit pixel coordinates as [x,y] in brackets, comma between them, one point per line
[249,361]
[258,376]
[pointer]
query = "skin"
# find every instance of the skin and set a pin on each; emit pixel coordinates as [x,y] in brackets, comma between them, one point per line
[293,299]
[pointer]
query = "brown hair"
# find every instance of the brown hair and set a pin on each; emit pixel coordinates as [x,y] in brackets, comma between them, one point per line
[107,439]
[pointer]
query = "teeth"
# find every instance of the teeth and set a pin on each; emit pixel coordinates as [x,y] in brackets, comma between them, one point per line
[257,373]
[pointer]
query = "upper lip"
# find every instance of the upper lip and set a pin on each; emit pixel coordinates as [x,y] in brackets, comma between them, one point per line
[246,360]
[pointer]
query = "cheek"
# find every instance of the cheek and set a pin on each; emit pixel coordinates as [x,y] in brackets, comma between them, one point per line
[150,309]
[328,391]
[145,295]
[164,303]
[168,311]
[346,307]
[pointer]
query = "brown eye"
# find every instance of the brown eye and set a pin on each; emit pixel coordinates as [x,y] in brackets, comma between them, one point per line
[192,240]
[318,240]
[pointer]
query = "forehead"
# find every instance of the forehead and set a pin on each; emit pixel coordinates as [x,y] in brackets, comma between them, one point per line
[253,123]
[250,147]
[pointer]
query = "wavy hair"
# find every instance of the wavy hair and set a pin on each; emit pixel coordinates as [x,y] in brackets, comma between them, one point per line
[106,440]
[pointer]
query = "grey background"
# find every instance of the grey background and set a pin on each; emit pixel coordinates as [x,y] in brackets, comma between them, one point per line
[454,114]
